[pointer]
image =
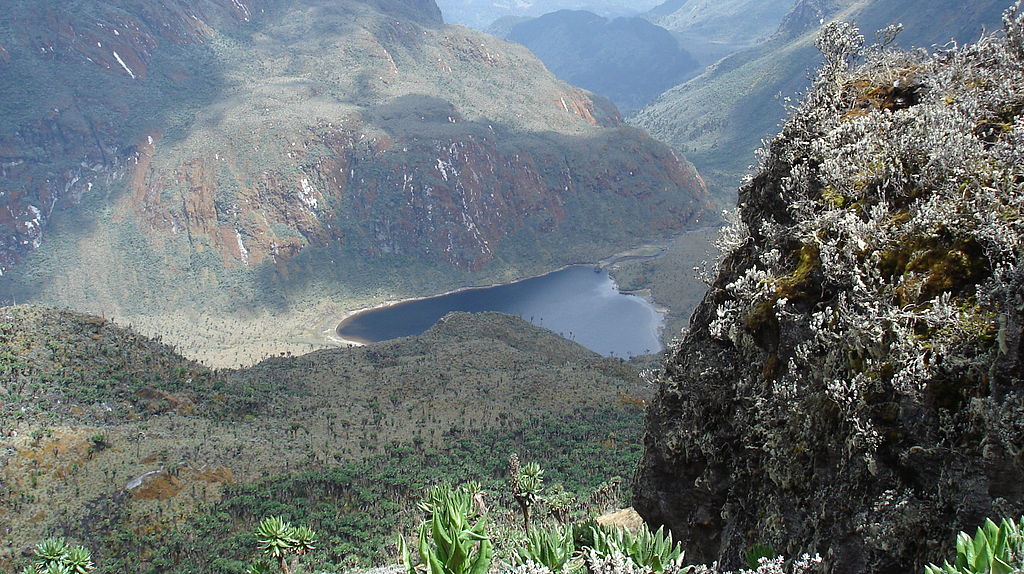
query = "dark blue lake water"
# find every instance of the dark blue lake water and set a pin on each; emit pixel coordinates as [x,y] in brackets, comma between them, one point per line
[578,303]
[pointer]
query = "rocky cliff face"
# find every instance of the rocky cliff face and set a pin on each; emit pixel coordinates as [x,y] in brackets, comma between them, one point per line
[244,133]
[851,383]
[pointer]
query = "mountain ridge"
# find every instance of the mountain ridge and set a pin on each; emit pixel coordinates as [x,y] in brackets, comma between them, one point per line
[626,59]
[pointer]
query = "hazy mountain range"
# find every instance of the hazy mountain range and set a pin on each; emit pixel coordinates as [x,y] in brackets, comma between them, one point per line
[627,60]
[481,14]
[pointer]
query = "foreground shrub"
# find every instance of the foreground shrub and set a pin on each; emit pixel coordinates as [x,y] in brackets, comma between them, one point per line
[278,539]
[653,551]
[551,547]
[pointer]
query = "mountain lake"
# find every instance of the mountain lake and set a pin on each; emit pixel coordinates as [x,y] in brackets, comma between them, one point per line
[580,303]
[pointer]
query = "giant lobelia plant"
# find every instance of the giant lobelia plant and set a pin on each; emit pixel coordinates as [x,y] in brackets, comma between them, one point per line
[449,542]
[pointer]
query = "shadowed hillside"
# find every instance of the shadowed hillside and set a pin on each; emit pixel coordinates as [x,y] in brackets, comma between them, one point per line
[627,60]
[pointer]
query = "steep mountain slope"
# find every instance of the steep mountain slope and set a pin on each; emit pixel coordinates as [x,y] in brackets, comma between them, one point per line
[851,384]
[627,60]
[719,118]
[714,29]
[133,462]
[276,157]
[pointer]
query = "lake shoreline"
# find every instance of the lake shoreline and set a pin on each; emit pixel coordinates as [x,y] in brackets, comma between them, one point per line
[335,336]
[644,251]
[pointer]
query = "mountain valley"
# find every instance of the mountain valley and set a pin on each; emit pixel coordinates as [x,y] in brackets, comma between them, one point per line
[627,60]
[712,30]
[258,169]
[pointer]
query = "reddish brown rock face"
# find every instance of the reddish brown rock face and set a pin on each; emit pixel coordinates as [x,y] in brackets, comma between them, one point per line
[56,153]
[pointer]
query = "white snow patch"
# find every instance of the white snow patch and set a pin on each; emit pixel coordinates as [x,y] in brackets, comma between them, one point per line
[242,251]
[308,194]
[33,223]
[443,167]
[123,65]
[243,8]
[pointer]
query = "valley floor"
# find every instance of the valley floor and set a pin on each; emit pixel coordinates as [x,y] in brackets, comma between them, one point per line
[662,272]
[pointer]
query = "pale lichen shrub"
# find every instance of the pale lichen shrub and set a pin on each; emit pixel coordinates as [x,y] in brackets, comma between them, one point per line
[884,251]
[614,562]
[778,565]
[528,567]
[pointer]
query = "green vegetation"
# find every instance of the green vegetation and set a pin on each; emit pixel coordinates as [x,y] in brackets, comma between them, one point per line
[654,551]
[527,482]
[53,361]
[56,556]
[560,502]
[278,539]
[994,549]
[342,441]
[449,541]
[553,547]
[358,507]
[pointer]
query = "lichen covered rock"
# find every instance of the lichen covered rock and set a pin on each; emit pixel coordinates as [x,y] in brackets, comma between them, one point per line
[851,383]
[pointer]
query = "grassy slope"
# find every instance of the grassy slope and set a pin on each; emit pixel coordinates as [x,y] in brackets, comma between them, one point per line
[451,403]
[713,29]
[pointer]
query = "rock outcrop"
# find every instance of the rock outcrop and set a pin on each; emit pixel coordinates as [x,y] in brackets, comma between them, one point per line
[851,384]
